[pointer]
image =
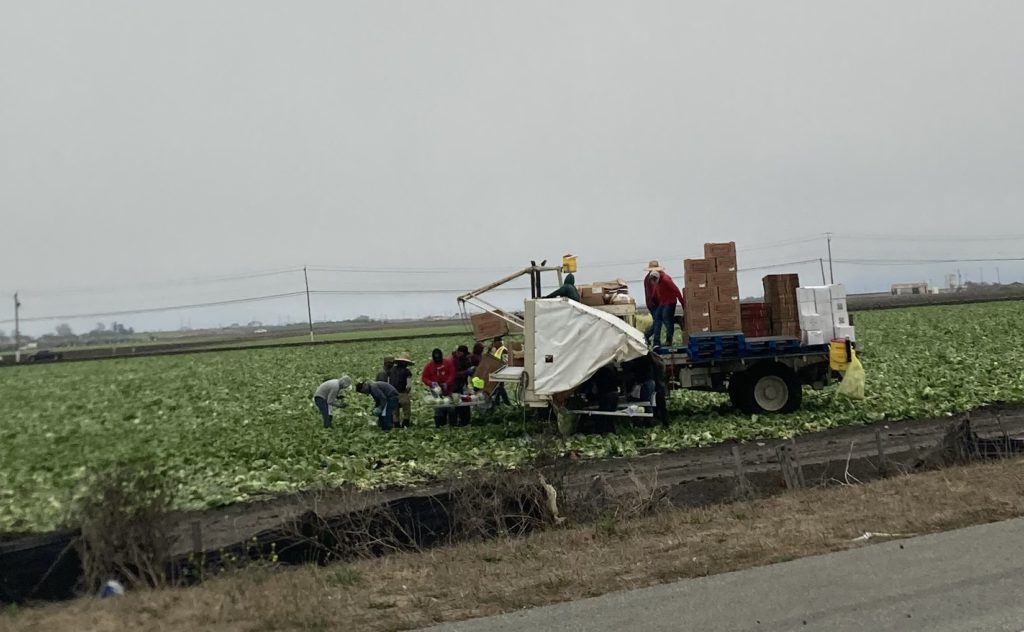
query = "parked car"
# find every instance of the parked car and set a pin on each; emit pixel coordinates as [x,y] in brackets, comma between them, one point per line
[45,355]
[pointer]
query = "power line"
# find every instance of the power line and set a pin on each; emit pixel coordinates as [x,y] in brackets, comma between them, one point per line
[169,283]
[150,310]
[908,262]
[895,237]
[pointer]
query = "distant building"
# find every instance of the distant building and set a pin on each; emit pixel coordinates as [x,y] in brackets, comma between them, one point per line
[900,289]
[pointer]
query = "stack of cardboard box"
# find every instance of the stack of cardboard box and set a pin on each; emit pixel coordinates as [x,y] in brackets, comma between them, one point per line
[823,314]
[756,320]
[780,297]
[698,295]
[725,310]
[711,289]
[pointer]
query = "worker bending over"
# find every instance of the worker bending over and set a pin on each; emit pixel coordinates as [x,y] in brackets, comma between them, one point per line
[327,397]
[385,402]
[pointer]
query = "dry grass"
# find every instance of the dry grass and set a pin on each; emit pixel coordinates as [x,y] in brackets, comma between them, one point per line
[409,590]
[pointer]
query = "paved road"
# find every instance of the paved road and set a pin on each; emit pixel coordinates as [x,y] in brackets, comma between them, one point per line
[970,579]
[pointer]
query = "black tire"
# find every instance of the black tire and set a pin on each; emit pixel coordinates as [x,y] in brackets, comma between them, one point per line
[772,388]
[739,391]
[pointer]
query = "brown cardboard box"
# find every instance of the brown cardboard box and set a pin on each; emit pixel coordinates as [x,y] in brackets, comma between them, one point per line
[723,279]
[730,308]
[695,279]
[696,323]
[700,294]
[726,322]
[725,264]
[726,249]
[589,295]
[695,310]
[699,266]
[487,325]
[775,283]
[728,294]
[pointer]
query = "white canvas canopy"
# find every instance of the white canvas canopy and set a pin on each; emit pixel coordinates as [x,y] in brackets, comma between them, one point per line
[572,341]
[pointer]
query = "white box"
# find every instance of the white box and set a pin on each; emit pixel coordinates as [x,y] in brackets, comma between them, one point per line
[807,309]
[805,295]
[816,322]
[844,332]
[812,338]
[840,320]
[838,291]
[838,305]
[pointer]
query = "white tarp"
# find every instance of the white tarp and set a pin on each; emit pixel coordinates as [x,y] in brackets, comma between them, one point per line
[572,341]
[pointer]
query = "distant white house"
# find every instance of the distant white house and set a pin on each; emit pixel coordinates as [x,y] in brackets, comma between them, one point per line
[901,289]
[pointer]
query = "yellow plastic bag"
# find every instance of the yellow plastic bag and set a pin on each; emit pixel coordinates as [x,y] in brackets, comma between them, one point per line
[853,380]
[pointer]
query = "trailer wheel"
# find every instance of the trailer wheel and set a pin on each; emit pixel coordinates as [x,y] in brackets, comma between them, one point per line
[739,391]
[773,388]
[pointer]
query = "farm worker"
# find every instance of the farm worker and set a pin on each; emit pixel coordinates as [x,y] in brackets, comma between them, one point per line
[385,402]
[327,397]
[384,374]
[666,293]
[568,289]
[649,282]
[401,379]
[463,370]
[439,376]
[477,355]
[499,351]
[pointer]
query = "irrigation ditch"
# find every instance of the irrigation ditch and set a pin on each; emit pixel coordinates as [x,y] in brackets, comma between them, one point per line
[338,524]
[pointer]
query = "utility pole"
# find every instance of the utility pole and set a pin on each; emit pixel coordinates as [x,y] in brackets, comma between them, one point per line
[17,330]
[821,262]
[309,309]
[999,281]
[831,274]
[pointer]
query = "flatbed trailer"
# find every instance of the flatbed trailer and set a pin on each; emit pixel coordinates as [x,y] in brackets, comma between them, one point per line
[764,374]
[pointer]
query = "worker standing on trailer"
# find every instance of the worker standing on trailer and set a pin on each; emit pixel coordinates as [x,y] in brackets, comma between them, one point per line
[327,398]
[439,376]
[666,294]
[568,289]
[649,282]
[385,402]
[401,379]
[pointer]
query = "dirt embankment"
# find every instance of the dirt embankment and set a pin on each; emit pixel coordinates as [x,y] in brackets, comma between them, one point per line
[411,590]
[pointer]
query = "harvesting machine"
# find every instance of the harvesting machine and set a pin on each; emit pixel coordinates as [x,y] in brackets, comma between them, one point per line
[564,343]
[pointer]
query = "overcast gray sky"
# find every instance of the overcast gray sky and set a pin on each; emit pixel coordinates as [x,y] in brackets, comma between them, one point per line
[142,142]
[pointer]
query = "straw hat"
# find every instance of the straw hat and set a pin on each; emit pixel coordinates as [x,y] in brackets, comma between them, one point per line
[654,266]
[404,357]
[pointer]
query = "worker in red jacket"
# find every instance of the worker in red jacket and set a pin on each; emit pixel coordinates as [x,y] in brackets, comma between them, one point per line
[665,294]
[649,282]
[439,376]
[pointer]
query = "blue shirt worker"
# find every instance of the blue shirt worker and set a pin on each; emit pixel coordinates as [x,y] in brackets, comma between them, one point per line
[327,397]
[385,402]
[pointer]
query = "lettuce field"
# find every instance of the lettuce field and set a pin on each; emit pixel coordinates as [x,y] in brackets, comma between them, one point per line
[238,425]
